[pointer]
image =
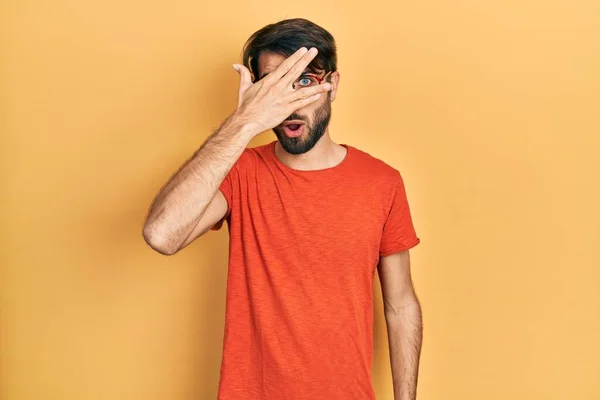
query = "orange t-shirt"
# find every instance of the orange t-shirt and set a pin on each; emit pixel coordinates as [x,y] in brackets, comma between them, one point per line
[304,247]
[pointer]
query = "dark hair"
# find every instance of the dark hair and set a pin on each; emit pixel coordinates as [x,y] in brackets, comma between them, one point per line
[285,38]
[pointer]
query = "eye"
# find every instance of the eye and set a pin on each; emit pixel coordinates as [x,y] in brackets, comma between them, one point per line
[304,81]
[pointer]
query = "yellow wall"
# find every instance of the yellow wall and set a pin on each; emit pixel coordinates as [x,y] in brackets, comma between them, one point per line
[489,108]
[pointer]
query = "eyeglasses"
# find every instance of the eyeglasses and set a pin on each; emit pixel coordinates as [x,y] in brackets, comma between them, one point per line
[308,80]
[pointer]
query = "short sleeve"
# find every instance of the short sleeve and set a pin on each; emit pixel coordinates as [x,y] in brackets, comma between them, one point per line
[398,231]
[226,188]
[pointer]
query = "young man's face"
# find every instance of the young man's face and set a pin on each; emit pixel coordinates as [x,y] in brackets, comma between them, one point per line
[312,120]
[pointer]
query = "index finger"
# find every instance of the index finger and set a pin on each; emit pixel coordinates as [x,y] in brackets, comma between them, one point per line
[299,56]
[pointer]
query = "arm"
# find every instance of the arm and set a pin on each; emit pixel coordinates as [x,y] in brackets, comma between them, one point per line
[190,202]
[404,323]
[178,209]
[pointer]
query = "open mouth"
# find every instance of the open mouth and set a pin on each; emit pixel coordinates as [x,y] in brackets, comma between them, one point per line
[293,128]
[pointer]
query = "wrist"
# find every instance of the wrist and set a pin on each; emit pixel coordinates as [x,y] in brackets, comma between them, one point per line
[239,123]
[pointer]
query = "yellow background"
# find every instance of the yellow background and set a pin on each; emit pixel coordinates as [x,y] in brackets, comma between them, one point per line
[490,109]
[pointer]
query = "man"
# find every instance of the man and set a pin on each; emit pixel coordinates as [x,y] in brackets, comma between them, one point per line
[310,221]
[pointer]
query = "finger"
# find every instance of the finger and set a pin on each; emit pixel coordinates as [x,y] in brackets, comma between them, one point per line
[299,67]
[285,66]
[310,91]
[298,104]
[245,76]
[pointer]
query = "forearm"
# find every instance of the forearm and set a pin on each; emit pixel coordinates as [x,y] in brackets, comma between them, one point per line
[185,197]
[404,328]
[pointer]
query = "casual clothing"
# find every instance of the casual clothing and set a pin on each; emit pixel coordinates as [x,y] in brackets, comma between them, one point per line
[304,247]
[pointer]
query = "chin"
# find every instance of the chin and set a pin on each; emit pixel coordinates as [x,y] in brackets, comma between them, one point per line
[297,145]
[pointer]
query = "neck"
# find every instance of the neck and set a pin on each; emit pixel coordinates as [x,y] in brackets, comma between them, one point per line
[325,154]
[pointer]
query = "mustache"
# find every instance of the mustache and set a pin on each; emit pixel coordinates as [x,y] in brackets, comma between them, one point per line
[295,116]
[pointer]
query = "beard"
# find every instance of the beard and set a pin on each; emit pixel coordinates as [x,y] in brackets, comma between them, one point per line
[313,132]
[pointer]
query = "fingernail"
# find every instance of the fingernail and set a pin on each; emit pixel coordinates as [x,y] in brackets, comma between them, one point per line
[327,86]
[313,50]
[303,49]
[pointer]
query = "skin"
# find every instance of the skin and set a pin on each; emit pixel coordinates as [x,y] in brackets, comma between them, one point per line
[190,202]
[325,153]
[402,312]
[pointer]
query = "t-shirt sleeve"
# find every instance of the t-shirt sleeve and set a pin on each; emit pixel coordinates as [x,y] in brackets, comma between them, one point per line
[398,231]
[226,188]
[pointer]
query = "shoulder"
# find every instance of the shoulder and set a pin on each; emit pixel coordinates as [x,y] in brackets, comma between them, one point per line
[374,168]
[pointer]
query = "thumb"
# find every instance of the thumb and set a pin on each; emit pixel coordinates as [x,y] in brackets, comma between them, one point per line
[245,77]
